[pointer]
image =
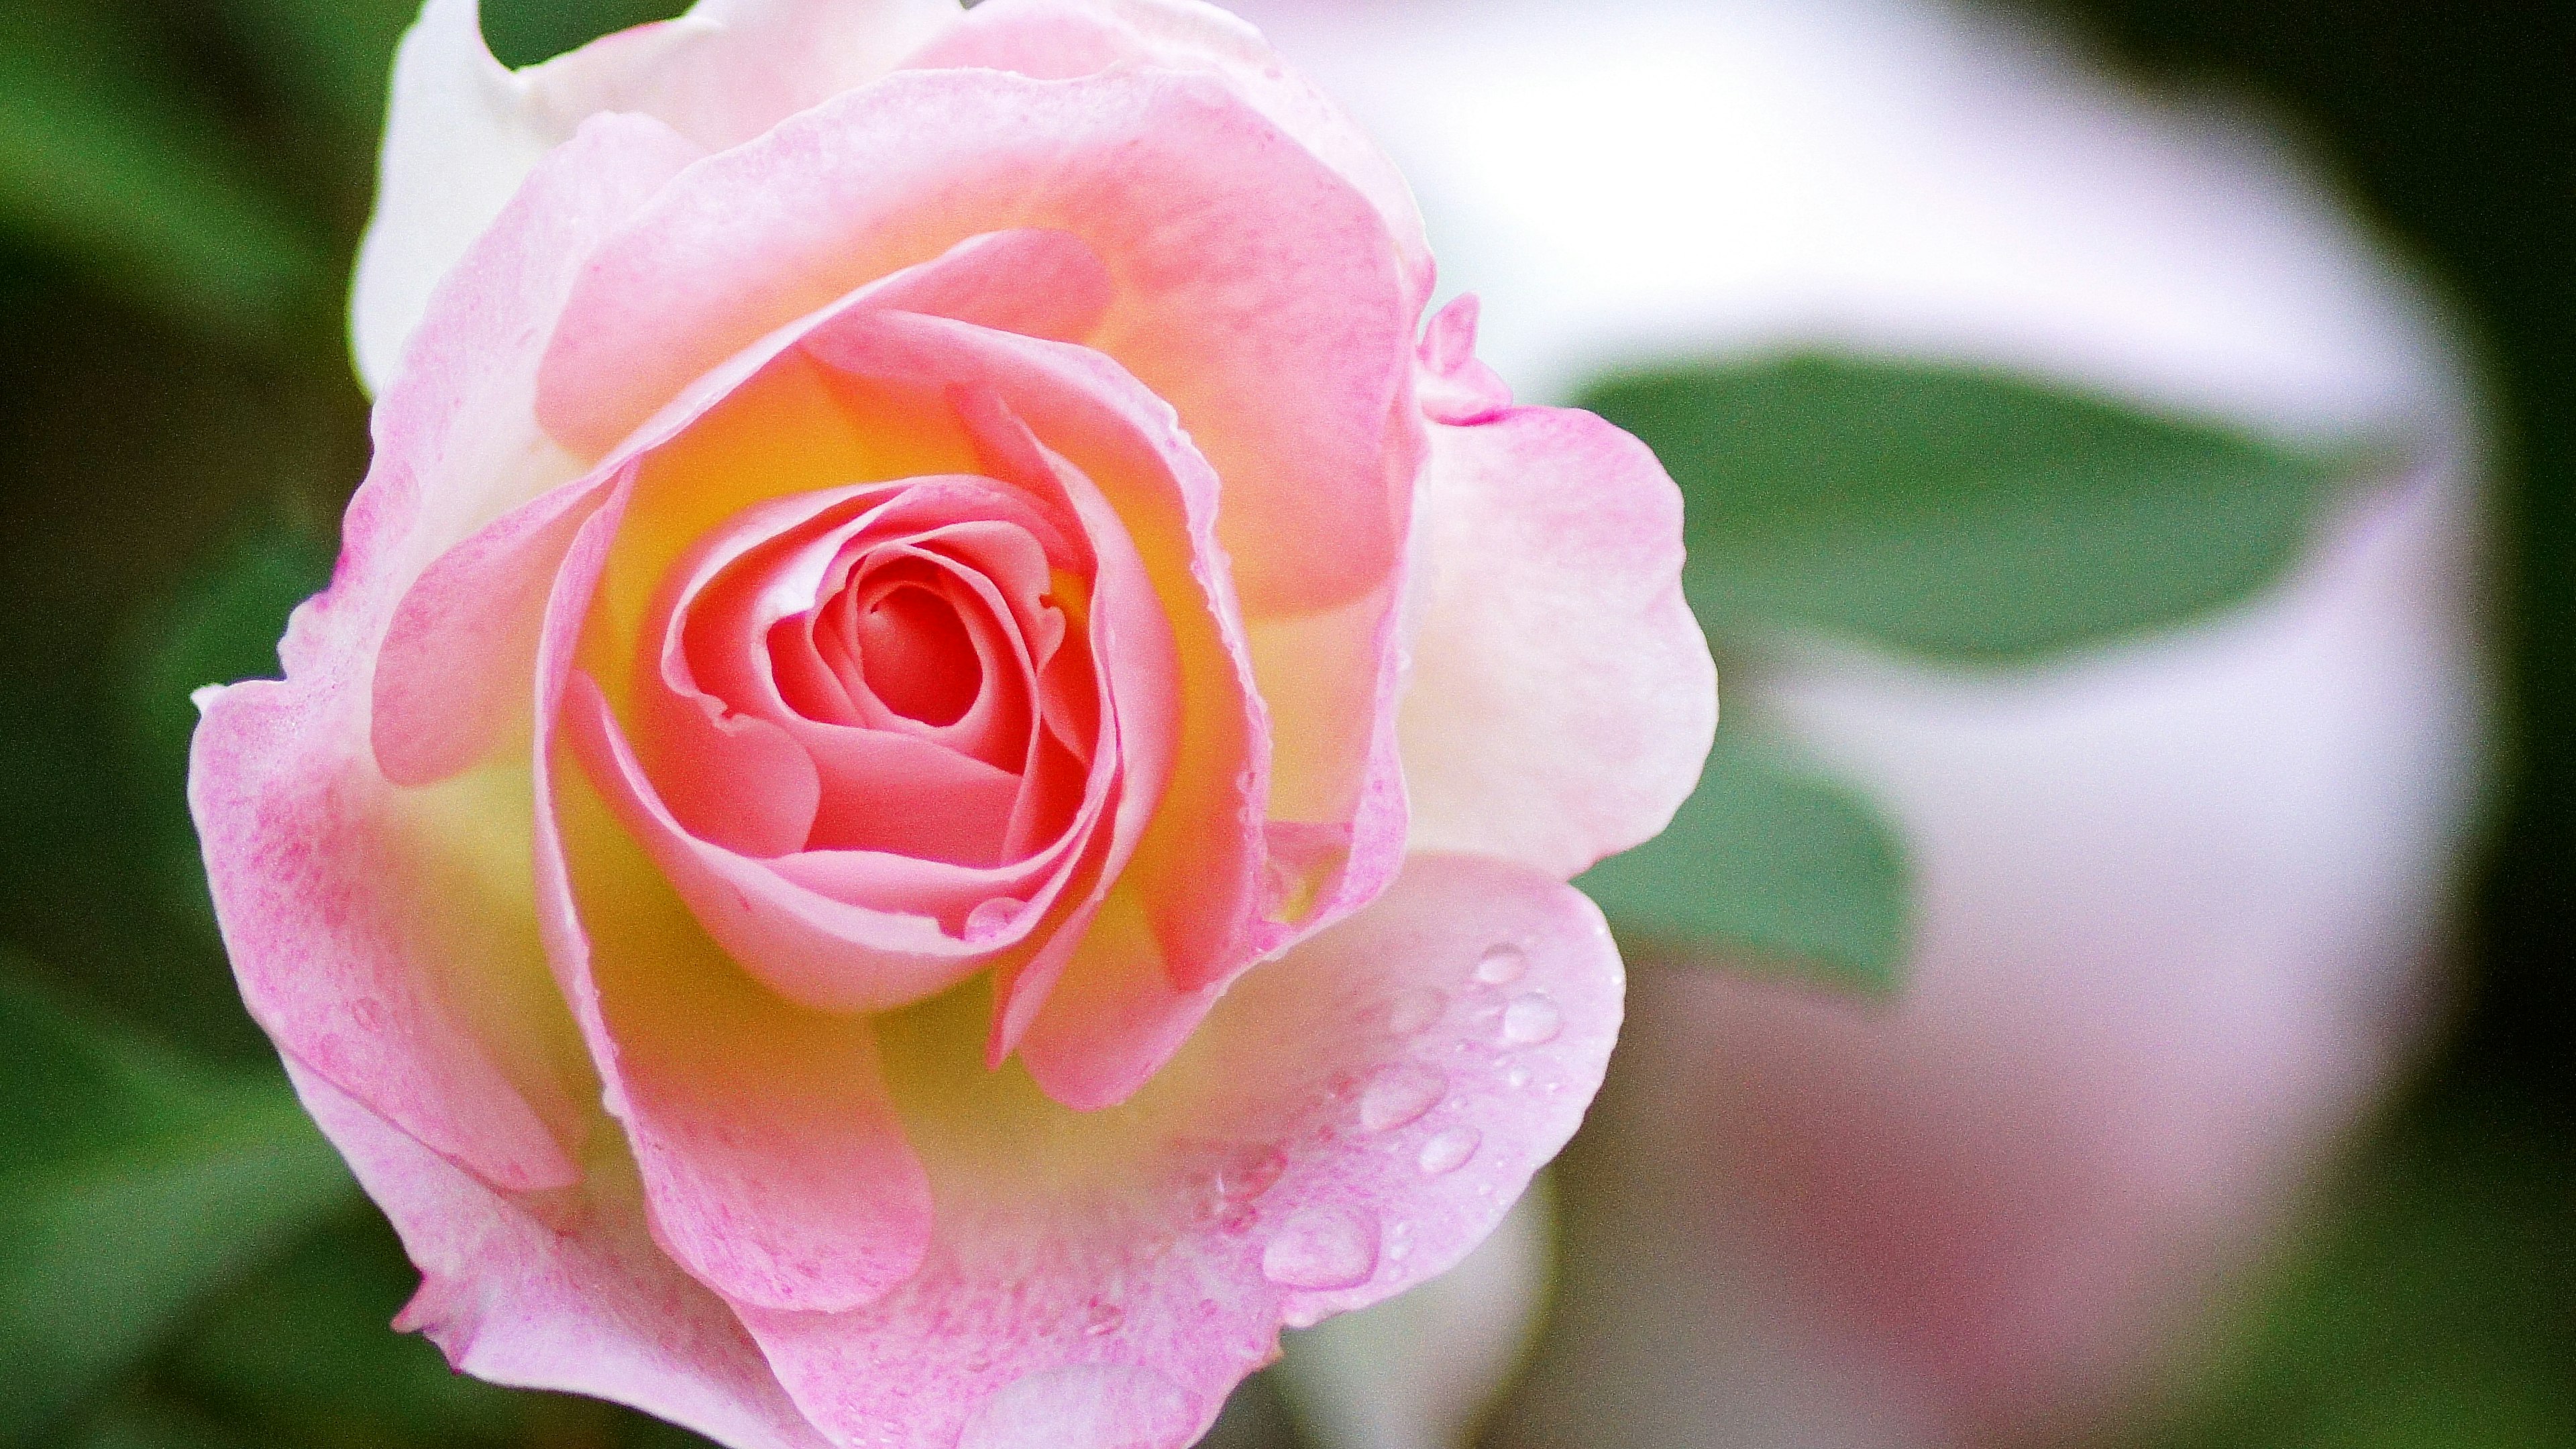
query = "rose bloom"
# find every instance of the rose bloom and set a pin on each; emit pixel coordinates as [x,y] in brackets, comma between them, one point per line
[2179,896]
[935,787]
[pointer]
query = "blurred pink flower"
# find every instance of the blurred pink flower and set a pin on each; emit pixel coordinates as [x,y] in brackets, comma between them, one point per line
[2179,896]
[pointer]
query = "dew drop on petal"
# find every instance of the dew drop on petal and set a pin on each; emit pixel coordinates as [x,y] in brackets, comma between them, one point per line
[1450,1150]
[1531,1019]
[1321,1248]
[1415,1010]
[1400,1094]
[1516,1078]
[1502,965]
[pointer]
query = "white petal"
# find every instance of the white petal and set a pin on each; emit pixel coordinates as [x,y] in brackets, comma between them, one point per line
[463,130]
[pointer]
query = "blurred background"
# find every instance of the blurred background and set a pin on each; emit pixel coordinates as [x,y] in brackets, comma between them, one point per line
[2390,1254]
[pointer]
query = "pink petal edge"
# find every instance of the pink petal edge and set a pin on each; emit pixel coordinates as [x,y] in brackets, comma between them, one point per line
[1563,698]
[1350,1120]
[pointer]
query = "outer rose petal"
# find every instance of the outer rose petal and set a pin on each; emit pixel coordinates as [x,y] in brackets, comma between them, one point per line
[1562,696]
[1054,39]
[1420,1370]
[772,1166]
[371,927]
[463,130]
[1350,1120]
[1255,290]
[577,1301]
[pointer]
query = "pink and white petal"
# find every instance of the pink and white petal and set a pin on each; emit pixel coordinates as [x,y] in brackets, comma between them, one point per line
[1562,697]
[327,877]
[463,131]
[1256,290]
[1199,863]
[577,1300]
[1350,1120]
[730,69]
[483,601]
[1421,1370]
[376,933]
[1059,39]
[772,1168]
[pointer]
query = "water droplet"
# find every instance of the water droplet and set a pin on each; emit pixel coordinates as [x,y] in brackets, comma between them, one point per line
[1415,1010]
[1401,1093]
[1321,1248]
[1450,1150]
[1516,1078]
[1100,1316]
[1530,1020]
[1502,965]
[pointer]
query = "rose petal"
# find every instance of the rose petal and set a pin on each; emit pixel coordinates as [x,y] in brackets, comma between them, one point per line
[771,1166]
[1562,696]
[861,931]
[1256,290]
[483,601]
[463,131]
[1061,39]
[1198,865]
[577,1301]
[1355,1116]
[368,924]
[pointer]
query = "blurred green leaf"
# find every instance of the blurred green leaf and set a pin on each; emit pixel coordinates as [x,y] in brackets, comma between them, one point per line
[131,1185]
[307,1346]
[1956,512]
[335,53]
[2431,1311]
[141,1419]
[1773,859]
[106,165]
[221,624]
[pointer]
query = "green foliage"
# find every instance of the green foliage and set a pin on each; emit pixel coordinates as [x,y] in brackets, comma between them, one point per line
[304,1348]
[524,34]
[131,1185]
[134,180]
[1775,859]
[2430,1311]
[1958,513]
[1964,515]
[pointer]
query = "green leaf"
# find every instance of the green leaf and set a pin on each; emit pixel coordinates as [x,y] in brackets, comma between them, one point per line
[339,53]
[221,625]
[529,31]
[306,1346]
[1773,859]
[106,165]
[1956,512]
[131,1185]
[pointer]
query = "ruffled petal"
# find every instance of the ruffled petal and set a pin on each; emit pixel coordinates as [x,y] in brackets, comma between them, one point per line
[576,1299]
[383,936]
[1562,697]
[773,1168]
[1060,39]
[463,130]
[1351,1119]
[1255,289]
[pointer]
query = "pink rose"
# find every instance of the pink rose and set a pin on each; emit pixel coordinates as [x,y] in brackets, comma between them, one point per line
[909,553]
